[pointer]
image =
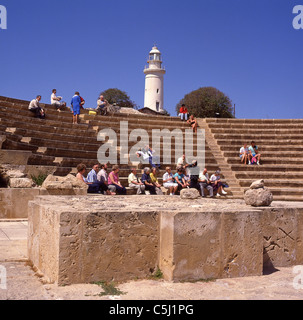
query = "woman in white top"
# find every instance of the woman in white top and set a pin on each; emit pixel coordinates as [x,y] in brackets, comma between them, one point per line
[168,181]
[244,153]
[217,184]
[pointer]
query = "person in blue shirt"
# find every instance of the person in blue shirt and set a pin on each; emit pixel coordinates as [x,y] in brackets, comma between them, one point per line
[179,178]
[254,153]
[76,105]
[95,183]
[146,180]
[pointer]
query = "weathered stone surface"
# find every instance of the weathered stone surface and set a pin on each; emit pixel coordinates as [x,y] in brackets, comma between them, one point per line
[78,239]
[261,197]
[282,231]
[20,183]
[189,193]
[64,185]
[206,245]
[257,184]
[14,202]
[70,245]
[14,173]
[14,157]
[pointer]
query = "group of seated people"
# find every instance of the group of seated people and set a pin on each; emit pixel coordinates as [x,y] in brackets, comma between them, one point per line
[100,181]
[251,154]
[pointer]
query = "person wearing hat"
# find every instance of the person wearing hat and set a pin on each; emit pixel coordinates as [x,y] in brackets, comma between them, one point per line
[217,184]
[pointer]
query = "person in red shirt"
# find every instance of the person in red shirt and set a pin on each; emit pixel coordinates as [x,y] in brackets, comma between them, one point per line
[183,113]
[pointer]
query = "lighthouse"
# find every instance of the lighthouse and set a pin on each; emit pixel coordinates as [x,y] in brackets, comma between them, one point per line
[154,72]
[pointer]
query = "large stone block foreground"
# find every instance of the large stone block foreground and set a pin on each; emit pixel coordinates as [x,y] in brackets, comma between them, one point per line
[82,239]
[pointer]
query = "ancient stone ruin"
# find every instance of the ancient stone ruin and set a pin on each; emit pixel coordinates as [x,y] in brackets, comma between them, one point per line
[75,237]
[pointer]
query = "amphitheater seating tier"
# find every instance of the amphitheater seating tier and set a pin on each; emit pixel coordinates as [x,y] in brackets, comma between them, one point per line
[56,142]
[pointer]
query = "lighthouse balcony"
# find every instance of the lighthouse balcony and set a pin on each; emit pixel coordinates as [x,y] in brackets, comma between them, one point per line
[153,68]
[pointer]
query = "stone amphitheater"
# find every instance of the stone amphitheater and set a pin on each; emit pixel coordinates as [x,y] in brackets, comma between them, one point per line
[201,239]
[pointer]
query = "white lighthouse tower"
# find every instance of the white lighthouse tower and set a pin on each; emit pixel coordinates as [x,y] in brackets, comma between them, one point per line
[153,98]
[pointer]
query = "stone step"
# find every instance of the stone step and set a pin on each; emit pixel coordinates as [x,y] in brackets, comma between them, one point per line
[256,132]
[257,137]
[23,105]
[282,153]
[227,144]
[293,183]
[284,191]
[267,168]
[45,127]
[245,127]
[55,140]
[255,175]
[34,121]
[271,160]
[254,121]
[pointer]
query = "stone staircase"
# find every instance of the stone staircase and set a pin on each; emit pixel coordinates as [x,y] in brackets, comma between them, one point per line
[281,145]
[55,143]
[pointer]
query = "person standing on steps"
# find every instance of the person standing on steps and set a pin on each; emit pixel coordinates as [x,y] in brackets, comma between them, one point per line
[76,105]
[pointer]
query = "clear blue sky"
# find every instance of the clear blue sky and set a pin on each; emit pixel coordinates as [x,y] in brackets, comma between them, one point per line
[246,48]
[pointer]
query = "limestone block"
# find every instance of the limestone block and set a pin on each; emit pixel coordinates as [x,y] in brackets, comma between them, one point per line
[14,202]
[20,183]
[69,245]
[204,245]
[258,197]
[257,184]
[282,231]
[56,185]
[14,157]
[189,193]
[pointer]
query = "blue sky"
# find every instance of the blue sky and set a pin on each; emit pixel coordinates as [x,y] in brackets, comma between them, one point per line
[247,49]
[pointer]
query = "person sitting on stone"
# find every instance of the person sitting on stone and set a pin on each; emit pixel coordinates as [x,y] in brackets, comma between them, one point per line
[168,181]
[102,105]
[244,153]
[135,183]
[93,178]
[149,186]
[205,183]
[183,113]
[34,107]
[179,178]
[92,187]
[154,180]
[113,179]
[103,176]
[193,123]
[56,101]
[183,162]
[217,184]
[254,154]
